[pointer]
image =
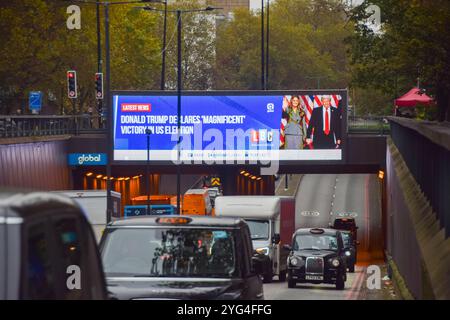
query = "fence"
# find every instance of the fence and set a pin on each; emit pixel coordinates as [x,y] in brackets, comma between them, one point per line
[368,125]
[31,126]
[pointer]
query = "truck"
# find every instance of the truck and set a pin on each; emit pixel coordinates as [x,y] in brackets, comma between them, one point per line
[196,202]
[94,204]
[271,220]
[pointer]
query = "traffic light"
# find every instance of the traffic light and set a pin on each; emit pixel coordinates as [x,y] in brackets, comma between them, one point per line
[72,84]
[99,86]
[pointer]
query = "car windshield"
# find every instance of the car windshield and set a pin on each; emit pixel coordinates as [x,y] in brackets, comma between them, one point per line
[160,252]
[315,242]
[347,238]
[259,229]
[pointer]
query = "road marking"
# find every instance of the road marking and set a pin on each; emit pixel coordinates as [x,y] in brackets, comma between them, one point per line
[356,285]
[366,212]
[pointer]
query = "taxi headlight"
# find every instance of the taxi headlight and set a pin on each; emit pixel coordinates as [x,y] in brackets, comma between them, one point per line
[335,263]
[264,251]
[294,261]
[348,253]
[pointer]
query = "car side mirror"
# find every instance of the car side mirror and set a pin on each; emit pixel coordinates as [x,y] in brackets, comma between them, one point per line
[257,265]
[276,238]
[287,247]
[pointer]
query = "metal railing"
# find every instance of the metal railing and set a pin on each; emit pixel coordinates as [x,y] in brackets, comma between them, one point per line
[35,126]
[31,126]
[368,125]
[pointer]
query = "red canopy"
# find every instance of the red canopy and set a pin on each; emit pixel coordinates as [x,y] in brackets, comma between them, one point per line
[413,98]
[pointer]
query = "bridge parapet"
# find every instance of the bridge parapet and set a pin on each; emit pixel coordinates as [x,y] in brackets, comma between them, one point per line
[418,185]
[425,148]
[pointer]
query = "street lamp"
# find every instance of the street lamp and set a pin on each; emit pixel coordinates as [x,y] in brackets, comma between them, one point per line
[263,71]
[147,183]
[267,46]
[164,44]
[179,13]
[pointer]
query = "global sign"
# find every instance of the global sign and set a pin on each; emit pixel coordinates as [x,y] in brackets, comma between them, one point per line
[87,159]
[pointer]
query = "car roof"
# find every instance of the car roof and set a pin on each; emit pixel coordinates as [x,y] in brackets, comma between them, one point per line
[197,221]
[33,204]
[329,232]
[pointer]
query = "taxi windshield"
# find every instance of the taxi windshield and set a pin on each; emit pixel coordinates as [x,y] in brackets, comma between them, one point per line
[161,252]
[315,242]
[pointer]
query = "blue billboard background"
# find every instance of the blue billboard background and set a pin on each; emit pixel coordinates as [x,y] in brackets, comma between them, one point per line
[250,113]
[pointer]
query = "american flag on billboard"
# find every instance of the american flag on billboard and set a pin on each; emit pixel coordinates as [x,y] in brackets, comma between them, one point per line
[308,103]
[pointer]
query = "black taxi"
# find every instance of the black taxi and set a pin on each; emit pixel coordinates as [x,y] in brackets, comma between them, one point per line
[47,249]
[317,256]
[180,257]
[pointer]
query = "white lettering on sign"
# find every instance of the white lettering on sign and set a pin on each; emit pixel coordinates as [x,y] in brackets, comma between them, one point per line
[136,107]
[74,20]
[83,158]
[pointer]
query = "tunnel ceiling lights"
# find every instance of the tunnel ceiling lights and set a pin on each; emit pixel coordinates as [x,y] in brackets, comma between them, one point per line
[250,176]
[101,176]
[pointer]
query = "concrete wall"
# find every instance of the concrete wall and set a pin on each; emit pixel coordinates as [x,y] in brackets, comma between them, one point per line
[416,240]
[402,243]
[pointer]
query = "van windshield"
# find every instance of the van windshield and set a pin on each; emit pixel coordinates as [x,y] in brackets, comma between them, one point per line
[259,229]
[161,252]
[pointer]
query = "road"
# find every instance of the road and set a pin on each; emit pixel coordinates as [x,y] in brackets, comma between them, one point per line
[319,200]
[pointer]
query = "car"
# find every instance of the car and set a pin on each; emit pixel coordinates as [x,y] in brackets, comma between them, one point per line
[317,256]
[346,223]
[181,257]
[48,250]
[351,250]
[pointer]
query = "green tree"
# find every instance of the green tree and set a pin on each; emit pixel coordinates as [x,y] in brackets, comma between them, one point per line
[38,49]
[307,45]
[414,42]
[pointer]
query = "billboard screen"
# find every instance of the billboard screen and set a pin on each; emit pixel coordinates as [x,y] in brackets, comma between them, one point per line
[219,127]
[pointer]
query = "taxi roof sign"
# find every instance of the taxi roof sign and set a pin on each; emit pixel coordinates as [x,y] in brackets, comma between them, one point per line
[317,231]
[173,220]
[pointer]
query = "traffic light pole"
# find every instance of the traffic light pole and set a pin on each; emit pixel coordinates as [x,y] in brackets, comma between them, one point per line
[108,108]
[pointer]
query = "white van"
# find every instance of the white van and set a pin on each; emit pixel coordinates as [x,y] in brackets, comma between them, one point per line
[262,214]
[94,204]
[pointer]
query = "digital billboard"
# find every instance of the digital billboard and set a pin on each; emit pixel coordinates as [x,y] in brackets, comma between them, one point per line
[219,127]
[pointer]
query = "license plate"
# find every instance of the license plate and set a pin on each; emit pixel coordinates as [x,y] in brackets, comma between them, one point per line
[310,277]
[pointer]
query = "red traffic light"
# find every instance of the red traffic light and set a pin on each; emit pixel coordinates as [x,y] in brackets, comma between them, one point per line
[70,74]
